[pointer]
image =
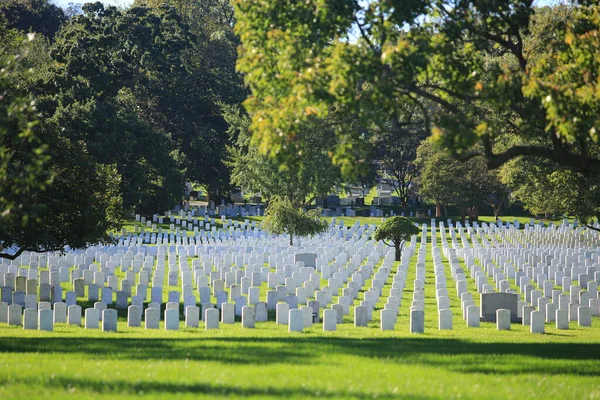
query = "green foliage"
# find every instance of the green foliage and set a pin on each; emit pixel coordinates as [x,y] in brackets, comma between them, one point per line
[566,79]
[210,79]
[312,176]
[113,73]
[38,16]
[396,230]
[466,185]
[472,68]
[284,217]
[396,151]
[23,155]
[52,193]
[547,188]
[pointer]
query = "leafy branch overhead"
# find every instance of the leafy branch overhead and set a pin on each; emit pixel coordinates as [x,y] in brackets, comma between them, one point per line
[478,71]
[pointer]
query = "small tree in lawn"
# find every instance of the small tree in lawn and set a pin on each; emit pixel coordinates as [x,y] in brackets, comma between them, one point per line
[396,230]
[283,217]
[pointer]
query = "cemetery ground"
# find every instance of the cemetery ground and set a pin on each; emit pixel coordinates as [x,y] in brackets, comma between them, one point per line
[270,362]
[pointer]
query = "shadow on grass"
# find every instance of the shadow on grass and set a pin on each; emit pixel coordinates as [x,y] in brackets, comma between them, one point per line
[452,354]
[163,388]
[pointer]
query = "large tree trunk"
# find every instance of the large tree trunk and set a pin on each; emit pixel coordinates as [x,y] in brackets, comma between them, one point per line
[438,210]
[473,214]
[216,196]
[291,239]
[497,210]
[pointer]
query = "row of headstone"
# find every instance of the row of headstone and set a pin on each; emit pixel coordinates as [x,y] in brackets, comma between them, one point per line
[540,297]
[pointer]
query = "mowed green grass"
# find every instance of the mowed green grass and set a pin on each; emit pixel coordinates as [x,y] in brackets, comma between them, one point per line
[268,362]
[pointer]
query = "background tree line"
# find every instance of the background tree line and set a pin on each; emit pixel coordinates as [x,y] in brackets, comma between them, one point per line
[107,113]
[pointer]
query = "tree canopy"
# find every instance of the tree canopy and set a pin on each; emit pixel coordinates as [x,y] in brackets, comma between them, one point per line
[39,16]
[105,115]
[396,230]
[52,193]
[467,185]
[311,177]
[473,68]
[282,216]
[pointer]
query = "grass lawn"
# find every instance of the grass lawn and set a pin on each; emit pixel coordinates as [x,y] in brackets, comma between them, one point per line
[268,362]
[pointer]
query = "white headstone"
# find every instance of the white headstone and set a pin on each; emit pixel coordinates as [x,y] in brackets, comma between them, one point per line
[46,320]
[503,319]
[445,319]
[360,316]
[14,315]
[192,317]
[248,313]
[134,316]
[261,312]
[473,316]
[228,313]
[537,322]
[329,320]
[92,318]
[109,320]
[152,318]
[417,321]
[584,316]
[172,319]
[562,319]
[282,314]
[30,318]
[387,319]
[296,320]
[211,318]
[60,313]
[74,315]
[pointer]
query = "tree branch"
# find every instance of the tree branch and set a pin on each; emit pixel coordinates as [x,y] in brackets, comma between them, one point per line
[364,35]
[430,96]
[557,154]
[13,256]
[23,249]
[593,228]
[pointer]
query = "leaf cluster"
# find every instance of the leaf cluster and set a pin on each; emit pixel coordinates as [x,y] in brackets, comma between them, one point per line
[284,217]
[395,229]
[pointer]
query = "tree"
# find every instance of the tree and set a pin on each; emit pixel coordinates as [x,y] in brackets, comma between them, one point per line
[113,84]
[366,180]
[38,16]
[396,230]
[211,80]
[479,71]
[52,193]
[395,148]
[284,217]
[313,176]
[466,185]
[545,187]
[23,155]
[439,177]
[396,154]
